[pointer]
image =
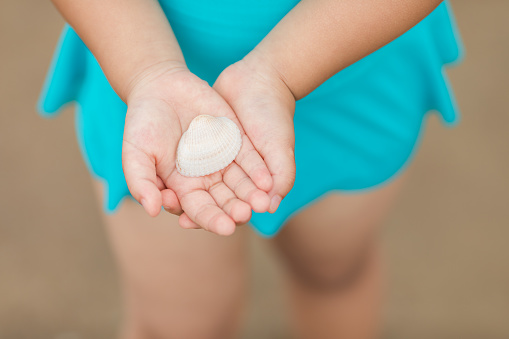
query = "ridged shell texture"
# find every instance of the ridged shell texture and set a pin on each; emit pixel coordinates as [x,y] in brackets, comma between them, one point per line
[209,145]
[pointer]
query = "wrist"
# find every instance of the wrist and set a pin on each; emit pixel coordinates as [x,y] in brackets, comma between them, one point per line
[262,66]
[149,73]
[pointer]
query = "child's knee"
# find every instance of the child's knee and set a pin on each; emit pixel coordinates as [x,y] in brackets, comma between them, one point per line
[330,268]
[329,244]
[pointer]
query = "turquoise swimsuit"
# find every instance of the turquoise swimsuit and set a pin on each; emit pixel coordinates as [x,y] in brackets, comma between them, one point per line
[356,131]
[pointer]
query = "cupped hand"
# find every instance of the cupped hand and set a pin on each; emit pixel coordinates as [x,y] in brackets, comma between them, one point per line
[265,107]
[161,104]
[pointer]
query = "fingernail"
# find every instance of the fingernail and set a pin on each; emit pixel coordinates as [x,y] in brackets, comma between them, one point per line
[274,203]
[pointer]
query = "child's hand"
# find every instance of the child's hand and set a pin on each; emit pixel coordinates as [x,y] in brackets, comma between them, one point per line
[161,104]
[265,107]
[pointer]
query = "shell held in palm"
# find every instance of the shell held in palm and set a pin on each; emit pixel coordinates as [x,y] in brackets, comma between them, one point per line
[209,145]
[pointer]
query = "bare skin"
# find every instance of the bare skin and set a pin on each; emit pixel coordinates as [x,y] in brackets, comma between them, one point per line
[172,277]
[177,283]
[335,272]
[135,46]
[161,107]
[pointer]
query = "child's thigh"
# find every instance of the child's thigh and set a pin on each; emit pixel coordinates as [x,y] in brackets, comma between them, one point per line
[172,276]
[328,242]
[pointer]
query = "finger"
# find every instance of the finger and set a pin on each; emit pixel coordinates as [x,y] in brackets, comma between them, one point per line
[201,208]
[170,202]
[252,163]
[160,184]
[281,163]
[140,174]
[244,188]
[187,223]
[237,209]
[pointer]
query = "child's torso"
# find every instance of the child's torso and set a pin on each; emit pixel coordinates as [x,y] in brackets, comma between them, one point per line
[215,34]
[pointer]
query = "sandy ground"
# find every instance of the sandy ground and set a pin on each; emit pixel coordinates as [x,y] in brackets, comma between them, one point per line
[447,239]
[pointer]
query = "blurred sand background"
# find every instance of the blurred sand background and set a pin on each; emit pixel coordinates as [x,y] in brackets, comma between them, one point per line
[447,240]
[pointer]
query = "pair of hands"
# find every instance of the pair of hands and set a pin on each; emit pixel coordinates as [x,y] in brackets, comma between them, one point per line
[164,99]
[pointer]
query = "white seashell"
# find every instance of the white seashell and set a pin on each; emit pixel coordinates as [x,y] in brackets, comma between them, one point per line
[209,145]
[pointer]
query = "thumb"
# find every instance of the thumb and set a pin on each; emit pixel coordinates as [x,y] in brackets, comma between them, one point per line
[140,175]
[281,164]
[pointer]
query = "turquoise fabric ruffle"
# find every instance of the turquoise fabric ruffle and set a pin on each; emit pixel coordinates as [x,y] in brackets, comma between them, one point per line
[356,131]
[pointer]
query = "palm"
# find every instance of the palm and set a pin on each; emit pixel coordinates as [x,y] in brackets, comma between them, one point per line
[265,108]
[159,112]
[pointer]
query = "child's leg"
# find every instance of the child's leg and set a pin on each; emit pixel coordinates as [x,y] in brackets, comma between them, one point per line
[178,283]
[335,269]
